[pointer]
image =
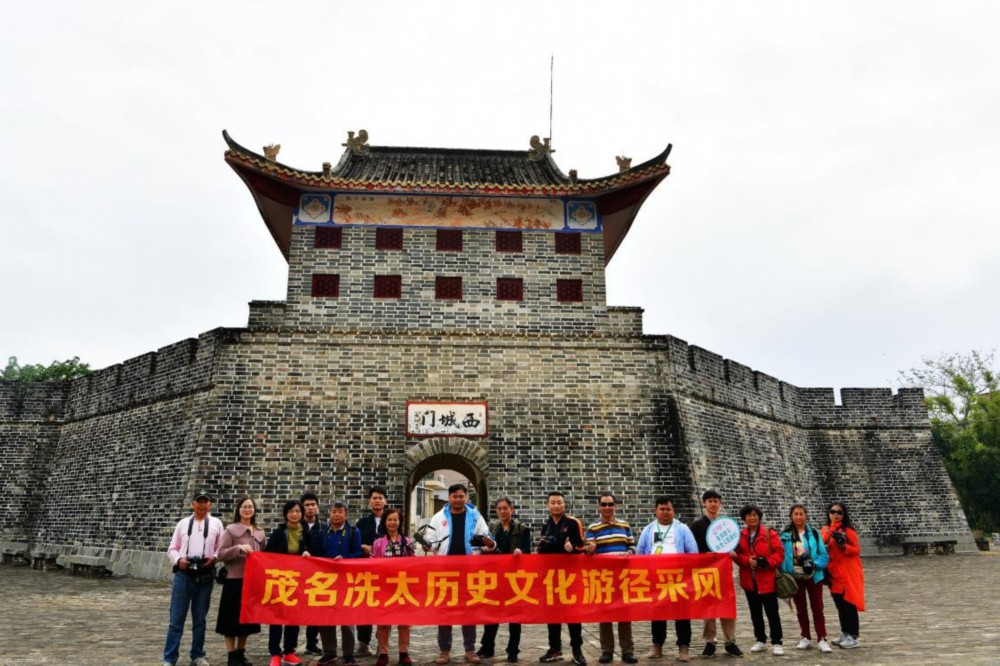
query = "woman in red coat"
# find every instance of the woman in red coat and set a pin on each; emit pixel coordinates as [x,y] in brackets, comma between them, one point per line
[847,586]
[758,556]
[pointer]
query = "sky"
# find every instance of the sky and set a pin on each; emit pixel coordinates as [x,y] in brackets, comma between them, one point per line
[831,216]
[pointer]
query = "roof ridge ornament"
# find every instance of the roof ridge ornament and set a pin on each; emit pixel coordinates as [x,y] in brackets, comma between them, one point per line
[540,148]
[359,145]
[271,151]
[624,163]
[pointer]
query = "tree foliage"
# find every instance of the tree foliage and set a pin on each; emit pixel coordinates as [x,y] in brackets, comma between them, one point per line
[38,372]
[963,400]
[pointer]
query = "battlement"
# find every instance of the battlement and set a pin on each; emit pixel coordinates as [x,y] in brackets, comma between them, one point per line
[32,401]
[709,376]
[176,369]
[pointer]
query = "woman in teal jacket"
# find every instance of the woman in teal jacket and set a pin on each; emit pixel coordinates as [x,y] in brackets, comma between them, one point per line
[806,558]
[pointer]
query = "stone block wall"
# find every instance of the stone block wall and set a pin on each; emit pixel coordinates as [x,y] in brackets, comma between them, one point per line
[478,264]
[30,415]
[105,465]
[326,412]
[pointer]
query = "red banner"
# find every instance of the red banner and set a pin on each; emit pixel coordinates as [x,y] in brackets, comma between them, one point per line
[486,589]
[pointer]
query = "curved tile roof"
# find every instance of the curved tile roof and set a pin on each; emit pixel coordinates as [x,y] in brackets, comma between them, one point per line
[446,170]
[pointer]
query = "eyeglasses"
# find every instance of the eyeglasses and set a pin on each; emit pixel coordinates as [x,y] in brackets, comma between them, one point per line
[836,512]
[606,504]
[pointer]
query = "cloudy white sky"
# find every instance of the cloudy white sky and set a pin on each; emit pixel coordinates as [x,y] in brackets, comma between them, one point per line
[831,217]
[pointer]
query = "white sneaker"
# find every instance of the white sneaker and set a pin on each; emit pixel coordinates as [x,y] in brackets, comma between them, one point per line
[839,639]
[824,646]
[804,644]
[778,651]
[758,647]
[849,643]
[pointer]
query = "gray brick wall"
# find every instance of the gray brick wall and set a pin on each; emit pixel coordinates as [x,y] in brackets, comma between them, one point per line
[479,264]
[312,395]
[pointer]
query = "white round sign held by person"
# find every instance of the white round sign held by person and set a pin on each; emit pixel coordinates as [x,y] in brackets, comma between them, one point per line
[723,535]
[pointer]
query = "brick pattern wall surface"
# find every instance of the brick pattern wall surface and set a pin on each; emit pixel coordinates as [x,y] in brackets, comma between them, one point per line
[419,263]
[323,412]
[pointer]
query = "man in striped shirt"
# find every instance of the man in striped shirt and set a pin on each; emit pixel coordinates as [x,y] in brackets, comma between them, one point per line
[614,537]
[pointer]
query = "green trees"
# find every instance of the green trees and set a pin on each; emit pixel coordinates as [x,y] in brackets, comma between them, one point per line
[55,370]
[963,399]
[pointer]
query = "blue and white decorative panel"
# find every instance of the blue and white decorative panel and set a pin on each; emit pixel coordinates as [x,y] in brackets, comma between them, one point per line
[314,209]
[582,216]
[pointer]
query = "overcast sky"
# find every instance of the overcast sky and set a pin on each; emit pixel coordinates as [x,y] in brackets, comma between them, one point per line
[831,216]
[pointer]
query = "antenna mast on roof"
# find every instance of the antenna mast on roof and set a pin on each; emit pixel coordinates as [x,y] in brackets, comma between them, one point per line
[552,67]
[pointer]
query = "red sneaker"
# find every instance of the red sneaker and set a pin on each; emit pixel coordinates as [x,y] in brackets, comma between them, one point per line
[290,660]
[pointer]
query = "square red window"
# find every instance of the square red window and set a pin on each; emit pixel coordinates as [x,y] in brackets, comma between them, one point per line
[328,237]
[448,288]
[509,241]
[388,286]
[388,239]
[510,289]
[567,243]
[325,285]
[449,240]
[569,291]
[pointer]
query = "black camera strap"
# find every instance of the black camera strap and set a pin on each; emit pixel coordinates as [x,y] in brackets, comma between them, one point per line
[204,543]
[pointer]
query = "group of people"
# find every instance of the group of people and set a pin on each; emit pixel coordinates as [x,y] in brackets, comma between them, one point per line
[815,558]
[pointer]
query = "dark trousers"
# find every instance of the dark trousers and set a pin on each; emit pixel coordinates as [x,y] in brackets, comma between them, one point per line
[575,636]
[848,612]
[312,637]
[329,636]
[488,644]
[814,592]
[365,634]
[274,636]
[760,604]
[681,627]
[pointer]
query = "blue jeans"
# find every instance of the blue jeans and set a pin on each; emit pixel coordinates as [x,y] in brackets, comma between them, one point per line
[196,595]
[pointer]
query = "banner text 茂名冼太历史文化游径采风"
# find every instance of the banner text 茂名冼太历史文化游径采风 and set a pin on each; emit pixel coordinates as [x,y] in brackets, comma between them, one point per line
[529,589]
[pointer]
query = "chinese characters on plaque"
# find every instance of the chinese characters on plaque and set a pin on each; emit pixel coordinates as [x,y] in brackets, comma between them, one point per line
[447,419]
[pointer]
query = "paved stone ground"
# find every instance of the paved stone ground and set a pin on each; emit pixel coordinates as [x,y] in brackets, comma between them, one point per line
[922,610]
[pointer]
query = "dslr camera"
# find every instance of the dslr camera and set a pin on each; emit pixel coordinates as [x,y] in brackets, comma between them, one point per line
[840,538]
[477,541]
[761,562]
[195,564]
[808,566]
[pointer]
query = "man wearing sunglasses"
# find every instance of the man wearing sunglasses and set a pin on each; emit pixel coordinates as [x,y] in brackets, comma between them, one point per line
[614,537]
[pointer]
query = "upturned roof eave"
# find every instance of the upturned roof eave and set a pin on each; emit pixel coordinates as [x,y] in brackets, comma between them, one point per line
[317,181]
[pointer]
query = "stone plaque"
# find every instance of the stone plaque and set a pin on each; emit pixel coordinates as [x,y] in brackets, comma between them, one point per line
[446,419]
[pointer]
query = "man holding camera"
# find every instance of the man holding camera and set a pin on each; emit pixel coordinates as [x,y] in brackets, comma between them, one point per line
[458,529]
[192,552]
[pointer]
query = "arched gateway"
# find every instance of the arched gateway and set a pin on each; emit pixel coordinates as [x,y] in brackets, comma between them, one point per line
[447,308]
[463,455]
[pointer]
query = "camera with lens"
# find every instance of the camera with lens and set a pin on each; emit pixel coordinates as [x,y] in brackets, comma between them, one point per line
[546,540]
[195,564]
[808,566]
[477,541]
[761,562]
[840,538]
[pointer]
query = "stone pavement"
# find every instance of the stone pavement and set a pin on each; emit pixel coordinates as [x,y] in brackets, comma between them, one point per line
[922,610]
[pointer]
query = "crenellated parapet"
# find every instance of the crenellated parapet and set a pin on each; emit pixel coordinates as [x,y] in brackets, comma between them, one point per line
[709,376]
[177,369]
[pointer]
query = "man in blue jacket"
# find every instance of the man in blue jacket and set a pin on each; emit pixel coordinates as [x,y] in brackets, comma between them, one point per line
[666,536]
[339,540]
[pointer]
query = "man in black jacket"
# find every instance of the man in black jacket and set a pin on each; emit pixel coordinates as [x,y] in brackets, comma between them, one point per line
[711,501]
[371,528]
[562,533]
[313,528]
